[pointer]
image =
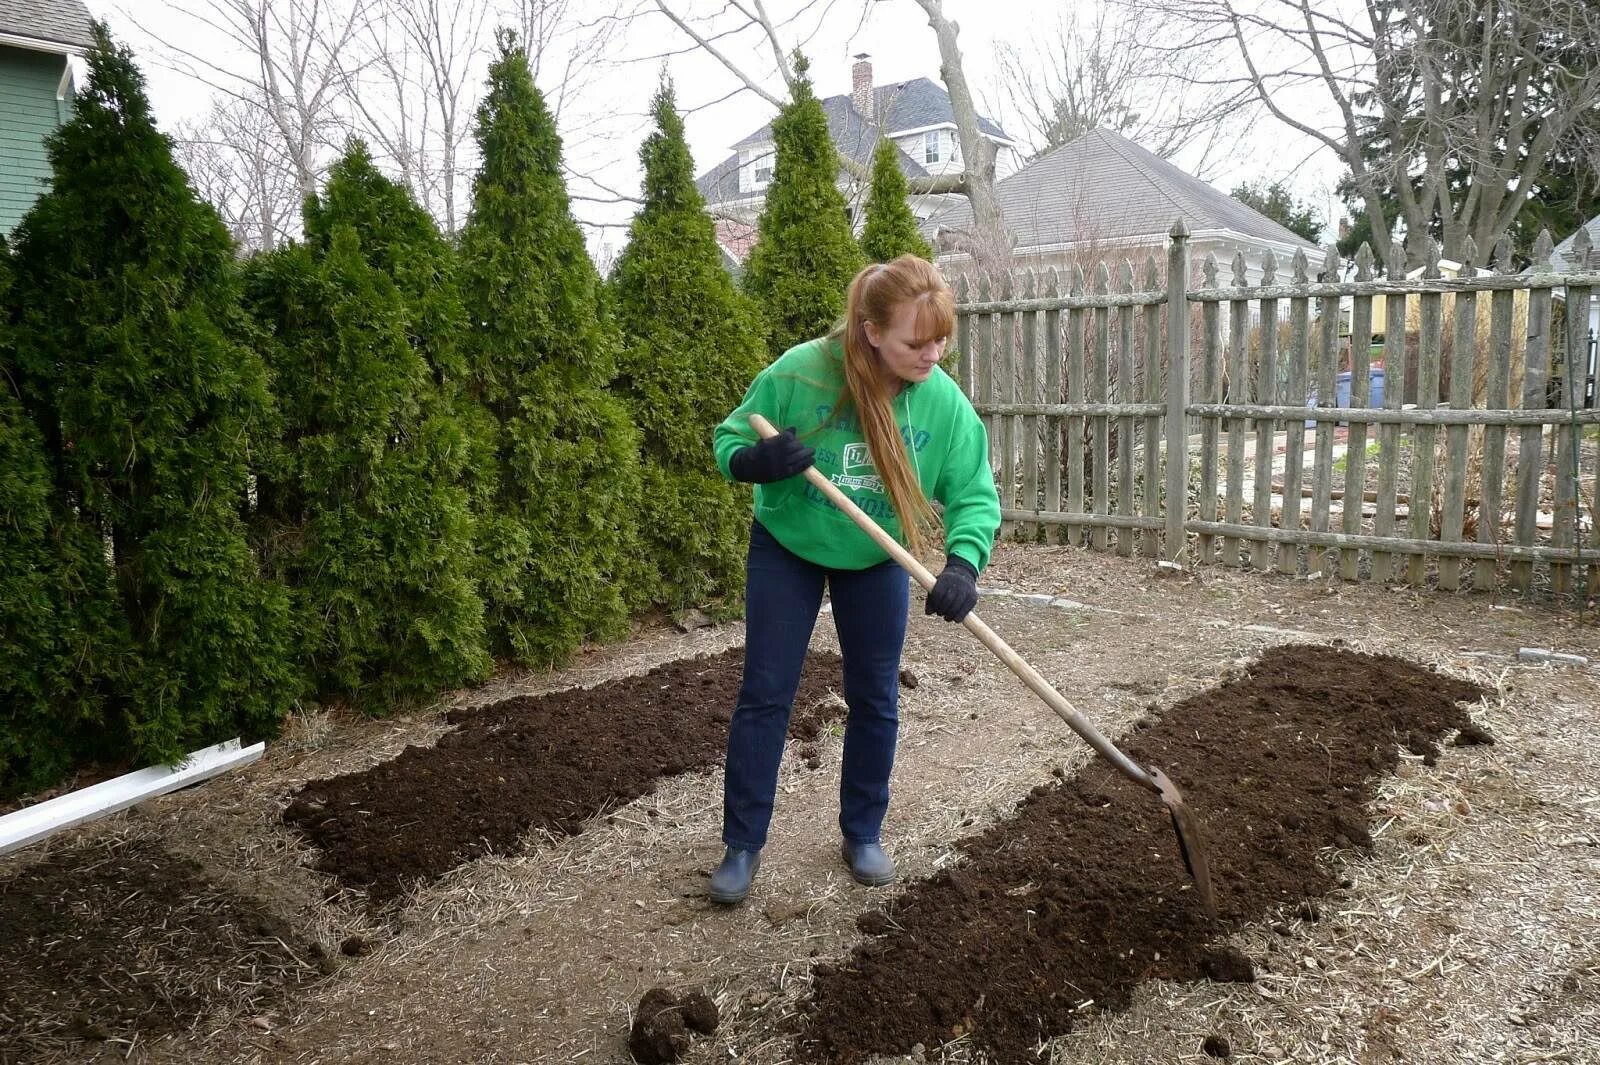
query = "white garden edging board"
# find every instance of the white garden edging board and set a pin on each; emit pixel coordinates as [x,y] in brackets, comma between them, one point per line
[33,823]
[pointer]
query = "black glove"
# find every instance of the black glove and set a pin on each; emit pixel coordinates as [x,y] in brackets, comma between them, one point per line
[772,459]
[955,593]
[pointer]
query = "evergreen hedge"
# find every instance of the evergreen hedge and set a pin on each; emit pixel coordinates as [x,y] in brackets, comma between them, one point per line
[805,253]
[560,544]
[891,229]
[691,346]
[57,629]
[131,352]
[365,518]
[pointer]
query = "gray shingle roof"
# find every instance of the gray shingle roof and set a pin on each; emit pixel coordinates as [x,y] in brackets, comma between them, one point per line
[905,105]
[1562,260]
[61,22]
[851,135]
[1103,187]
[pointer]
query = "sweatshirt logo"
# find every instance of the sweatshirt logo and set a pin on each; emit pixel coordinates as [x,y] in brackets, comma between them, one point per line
[859,472]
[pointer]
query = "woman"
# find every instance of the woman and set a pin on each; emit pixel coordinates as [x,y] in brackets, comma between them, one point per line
[869,406]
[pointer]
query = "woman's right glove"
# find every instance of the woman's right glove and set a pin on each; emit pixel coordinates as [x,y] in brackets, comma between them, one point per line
[772,459]
[955,592]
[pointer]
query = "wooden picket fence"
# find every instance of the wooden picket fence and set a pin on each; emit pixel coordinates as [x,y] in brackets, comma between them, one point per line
[1108,398]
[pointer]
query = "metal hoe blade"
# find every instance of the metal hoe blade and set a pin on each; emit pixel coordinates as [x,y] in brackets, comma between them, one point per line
[1190,841]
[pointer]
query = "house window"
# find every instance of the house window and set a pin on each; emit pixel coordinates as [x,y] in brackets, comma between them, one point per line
[930,146]
[764,172]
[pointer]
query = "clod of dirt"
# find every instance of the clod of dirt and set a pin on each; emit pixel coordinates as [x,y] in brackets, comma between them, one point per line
[355,946]
[1308,911]
[806,728]
[873,923]
[1225,965]
[699,1012]
[908,679]
[1216,1046]
[663,1021]
[658,1033]
[1472,734]
[1418,743]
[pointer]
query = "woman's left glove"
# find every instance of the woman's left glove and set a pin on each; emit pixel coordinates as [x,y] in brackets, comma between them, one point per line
[955,593]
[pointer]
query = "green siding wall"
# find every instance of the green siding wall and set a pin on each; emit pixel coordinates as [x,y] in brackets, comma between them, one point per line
[28,111]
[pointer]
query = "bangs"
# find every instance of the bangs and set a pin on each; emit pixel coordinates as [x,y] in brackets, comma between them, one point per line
[936,317]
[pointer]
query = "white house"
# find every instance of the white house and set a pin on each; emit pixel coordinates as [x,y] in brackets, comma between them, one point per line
[917,115]
[1564,260]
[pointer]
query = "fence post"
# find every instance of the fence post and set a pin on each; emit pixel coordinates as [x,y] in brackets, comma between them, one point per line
[1177,501]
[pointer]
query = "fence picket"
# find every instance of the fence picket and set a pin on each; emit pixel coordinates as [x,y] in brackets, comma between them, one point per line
[1294,444]
[1238,391]
[1327,365]
[1430,348]
[985,370]
[966,368]
[1210,392]
[1355,454]
[1452,518]
[1501,310]
[1027,322]
[1154,392]
[1006,369]
[1384,565]
[1099,393]
[1530,442]
[1177,391]
[1125,426]
[1564,527]
[1053,394]
[1075,423]
[1266,428]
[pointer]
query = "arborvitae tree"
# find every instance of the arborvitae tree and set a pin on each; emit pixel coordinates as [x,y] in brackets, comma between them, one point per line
[691,345]
[399,238]
[365,519]
[891,229]
[129,340]
[805,253]
[560,549]
[58,615]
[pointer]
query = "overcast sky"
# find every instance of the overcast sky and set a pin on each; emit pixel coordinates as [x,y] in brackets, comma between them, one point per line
[602,131]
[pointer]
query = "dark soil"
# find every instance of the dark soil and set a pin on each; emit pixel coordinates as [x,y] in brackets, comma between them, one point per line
[537,763]
[1082,894]
[663,1021]
[101,944]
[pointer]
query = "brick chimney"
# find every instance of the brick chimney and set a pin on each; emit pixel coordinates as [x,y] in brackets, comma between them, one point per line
[861,86]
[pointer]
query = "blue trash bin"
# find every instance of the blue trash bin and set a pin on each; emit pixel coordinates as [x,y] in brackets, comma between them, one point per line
[1341,389]
[1341,392]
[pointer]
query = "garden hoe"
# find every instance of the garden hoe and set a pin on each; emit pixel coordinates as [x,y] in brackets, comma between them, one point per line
[1184,822]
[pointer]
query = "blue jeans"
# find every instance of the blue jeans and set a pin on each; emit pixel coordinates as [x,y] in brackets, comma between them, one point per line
[782,597]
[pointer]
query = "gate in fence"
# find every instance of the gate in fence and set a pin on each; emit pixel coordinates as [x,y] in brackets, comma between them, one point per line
[1205,419]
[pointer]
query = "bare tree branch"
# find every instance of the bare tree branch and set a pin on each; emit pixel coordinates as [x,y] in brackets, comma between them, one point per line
[1453,108]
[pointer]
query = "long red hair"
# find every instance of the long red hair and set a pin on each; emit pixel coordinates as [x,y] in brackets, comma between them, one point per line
[876,294]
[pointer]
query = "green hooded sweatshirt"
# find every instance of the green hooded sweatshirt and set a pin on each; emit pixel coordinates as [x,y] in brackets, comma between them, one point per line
[946,442]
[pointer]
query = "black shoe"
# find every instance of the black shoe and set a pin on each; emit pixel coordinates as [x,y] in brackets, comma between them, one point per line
[731,881]
[868,863]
